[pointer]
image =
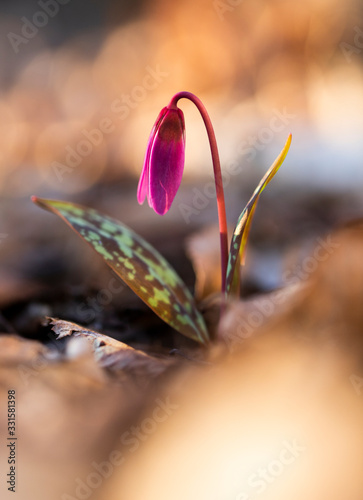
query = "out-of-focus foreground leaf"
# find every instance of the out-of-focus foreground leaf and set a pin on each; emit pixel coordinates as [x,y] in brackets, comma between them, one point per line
[136,262]
[295,378]
[240,234]
[82,405]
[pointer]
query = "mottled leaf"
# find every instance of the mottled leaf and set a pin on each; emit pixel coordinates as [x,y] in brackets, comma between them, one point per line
[135,261]
[240,235]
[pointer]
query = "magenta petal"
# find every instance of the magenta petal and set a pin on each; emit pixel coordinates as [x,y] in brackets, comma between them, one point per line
[166,161]
[143,186]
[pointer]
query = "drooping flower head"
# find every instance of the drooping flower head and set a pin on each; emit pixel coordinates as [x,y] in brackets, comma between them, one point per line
[164,161]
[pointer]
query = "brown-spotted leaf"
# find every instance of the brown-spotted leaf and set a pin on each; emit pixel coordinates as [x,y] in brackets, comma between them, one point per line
[136,262]
[240,235]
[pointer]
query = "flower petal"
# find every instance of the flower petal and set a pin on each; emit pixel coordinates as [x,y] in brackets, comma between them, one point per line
[167,161]
[143,186]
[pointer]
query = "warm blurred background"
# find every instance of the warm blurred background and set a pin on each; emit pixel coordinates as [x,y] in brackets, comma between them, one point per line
[83,81]
[81,85]
[122,61]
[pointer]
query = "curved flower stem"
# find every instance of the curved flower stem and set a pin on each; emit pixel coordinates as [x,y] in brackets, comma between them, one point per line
[217,177]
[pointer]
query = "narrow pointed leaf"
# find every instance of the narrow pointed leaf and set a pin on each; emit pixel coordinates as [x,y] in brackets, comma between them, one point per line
[137,263]
[240,235]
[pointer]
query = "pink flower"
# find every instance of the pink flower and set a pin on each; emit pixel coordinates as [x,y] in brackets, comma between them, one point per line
[164,161]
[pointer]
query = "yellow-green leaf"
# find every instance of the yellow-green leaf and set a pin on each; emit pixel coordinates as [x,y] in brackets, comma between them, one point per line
[240,234]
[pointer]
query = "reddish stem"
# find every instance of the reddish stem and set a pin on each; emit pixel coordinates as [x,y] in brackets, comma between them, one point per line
[217,177]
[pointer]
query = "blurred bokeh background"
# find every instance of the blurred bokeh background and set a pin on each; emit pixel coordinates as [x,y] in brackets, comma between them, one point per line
[69,66]
[83,81]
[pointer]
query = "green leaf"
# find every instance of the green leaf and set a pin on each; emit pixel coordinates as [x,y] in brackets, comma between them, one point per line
[136,262]
[240,235]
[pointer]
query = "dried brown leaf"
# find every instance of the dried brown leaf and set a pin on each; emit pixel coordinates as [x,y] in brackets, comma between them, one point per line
[113,354]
